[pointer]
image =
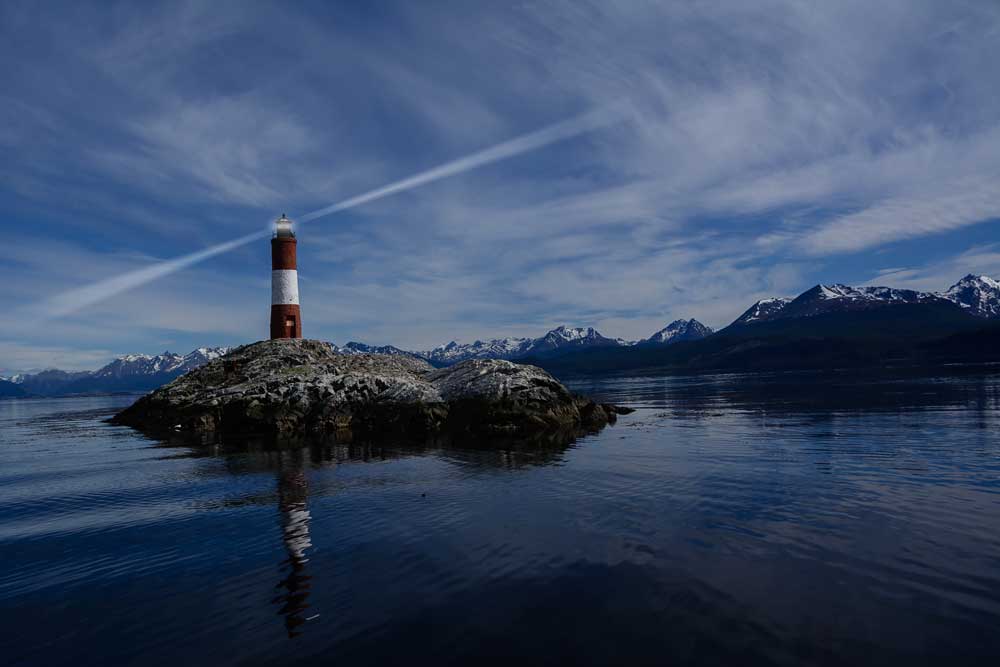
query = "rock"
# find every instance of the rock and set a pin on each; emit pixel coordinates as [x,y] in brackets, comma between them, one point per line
[303,387]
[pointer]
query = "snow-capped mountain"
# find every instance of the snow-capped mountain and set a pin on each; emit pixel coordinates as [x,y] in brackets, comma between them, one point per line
[354,347]
[131,372]
[203,355]
[496,348]
[677,331]
[978,295]
[844,298]
[557,341]
[563,338]
[133,365]
[765,309]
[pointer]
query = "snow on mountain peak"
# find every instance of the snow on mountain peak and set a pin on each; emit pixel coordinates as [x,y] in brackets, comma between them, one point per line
[764,309]
[573,333]
[680,330]
[354,347]
[833,291]
[208,353]
[495,348]
[867,293]
[514,348]
[132,365]
[977,295]
[978,280]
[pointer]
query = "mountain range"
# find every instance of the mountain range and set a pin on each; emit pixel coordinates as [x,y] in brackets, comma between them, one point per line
[130,373]
[827,324]
[141,372]
[830,326]
[559,341]
[977,295]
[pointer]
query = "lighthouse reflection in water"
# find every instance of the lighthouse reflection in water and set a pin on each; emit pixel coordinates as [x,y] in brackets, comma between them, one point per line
[293,492]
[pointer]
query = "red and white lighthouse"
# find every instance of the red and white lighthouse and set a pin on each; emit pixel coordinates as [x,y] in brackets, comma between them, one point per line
[286,318]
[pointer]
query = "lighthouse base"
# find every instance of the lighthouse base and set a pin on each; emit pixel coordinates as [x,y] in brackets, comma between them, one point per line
[286,321]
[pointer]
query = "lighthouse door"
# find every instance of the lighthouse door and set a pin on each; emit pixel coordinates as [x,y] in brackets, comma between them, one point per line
[290,324]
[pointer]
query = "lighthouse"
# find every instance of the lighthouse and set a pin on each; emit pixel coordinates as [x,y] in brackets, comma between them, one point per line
[286,318]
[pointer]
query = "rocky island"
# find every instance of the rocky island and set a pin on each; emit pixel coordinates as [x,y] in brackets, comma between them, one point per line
[294,387]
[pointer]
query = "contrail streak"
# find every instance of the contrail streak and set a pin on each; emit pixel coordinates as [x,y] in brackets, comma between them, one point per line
[72,300]
[523,144]
[81,297]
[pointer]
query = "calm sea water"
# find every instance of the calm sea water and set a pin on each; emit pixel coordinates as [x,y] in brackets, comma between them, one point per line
[794,519]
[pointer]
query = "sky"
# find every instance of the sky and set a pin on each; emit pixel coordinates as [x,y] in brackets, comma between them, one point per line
[757,149]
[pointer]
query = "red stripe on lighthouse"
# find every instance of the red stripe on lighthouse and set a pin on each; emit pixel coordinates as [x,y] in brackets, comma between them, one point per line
[286,321]
[283,254]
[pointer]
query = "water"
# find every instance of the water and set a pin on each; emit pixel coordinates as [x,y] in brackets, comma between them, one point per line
[793,519]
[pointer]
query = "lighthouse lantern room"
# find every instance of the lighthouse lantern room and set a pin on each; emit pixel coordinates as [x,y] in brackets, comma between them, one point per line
[286,317]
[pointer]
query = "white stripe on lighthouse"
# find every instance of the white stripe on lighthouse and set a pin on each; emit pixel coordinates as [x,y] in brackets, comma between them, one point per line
[284,287]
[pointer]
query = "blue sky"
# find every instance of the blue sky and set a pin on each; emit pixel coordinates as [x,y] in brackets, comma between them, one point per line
[762,148]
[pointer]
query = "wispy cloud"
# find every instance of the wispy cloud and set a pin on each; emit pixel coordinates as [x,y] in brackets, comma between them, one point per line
[33,358]
[963,204]
[940,275]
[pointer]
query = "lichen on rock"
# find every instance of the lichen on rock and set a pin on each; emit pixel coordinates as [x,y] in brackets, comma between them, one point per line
[302,387]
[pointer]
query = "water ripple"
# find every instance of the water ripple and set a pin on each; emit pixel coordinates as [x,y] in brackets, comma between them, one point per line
[779,519]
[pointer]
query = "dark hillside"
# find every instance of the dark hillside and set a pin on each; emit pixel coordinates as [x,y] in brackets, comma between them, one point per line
[892,335]
[10,389]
